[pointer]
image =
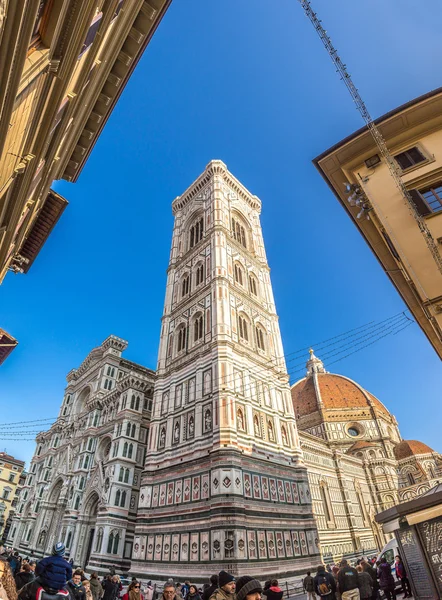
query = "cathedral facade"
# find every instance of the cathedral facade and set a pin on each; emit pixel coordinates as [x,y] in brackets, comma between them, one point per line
[213,462]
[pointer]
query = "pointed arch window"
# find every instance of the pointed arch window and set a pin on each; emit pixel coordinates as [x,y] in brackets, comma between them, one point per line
[110,543]
[130,451]
[137,404]
[68,541]
[196,232]
[239,275]
[126,476]
[125,449]
[77,503]
[121,474]
[198,327]
[181,339]
[123,499]
[117,498]
[128,429]
[99,541]
[116,544]
[259,333]
[239,232]
[185,286]
[133,431]
[243,328]
[253,285]
[199,274]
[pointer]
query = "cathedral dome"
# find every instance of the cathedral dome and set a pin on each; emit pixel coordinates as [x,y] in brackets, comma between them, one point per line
[408,448]
[329,390]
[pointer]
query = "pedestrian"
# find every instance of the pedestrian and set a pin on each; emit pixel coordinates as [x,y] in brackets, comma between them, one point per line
[193,593]
[226,589]
[248,588]
[148,593]
[309,586]
[116,579]
[366,565]
[133,591]
[366,583]
[87,589]
[273,592]
[75,587]
[110,588]
[185,588]
[33,565]
[54,571]
[324,584]
[386,580]
[212,587]
[348,582]
[179,591]
[14,562]
[335,571]
[96,587]
[25,576]
[402,575]
[7,583]
[169,591]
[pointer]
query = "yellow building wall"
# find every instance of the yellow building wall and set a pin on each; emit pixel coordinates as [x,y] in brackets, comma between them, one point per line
[8,488]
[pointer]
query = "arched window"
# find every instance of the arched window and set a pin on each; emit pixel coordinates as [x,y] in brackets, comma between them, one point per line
[99,540]
[110,543]
[129,453]
[253,285]
[128,429]
[196,232]
[132,401]
[137,404]
[133,431]
[125,449]
[260,338]
[81,484]
[238,272]
[185,286]
[126,476]
[86,461]
[243,328]
[199,274]
[181,339]
[68,541]
[198,328]
[123,499]
[116,544]
[117,498]
[77,503]
[411,479]
[239,233]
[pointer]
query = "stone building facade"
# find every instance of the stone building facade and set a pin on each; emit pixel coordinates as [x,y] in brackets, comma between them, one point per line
[358,464]
[84,477]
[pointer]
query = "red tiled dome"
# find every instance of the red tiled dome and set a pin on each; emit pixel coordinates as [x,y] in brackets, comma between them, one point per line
[408,448]
[336,391]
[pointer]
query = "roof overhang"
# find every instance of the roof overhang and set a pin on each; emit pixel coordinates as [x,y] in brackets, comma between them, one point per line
[7,345]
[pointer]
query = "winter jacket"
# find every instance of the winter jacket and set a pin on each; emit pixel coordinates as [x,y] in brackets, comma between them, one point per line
[23,578]
[309,584]
[193,597]
[386,579]
[110,589]
[209,591]
[273,593]
[77,592]
[31,589]
[96,588]
[348,579]
[323,577]
[366,585]
[220,594]
[54,572]
[400,570]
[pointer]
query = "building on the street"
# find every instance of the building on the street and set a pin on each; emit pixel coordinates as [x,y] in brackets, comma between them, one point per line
[84,477]
[239,470]
[64,66]
[224,485]
[406,239]
[358,465]
[12,511]
[7,345]
[11,470]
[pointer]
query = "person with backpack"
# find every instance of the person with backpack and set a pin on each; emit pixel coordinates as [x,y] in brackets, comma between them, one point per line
[325,585]
[309,586]
[348,582]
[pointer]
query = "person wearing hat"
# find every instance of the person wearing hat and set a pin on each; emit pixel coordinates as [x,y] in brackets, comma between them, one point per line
[248,588]
[54,571]
[226,589]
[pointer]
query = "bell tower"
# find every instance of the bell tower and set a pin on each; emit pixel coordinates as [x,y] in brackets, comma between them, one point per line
[224,484]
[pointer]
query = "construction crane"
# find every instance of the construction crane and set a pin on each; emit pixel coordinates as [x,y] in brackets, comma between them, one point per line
[374,130]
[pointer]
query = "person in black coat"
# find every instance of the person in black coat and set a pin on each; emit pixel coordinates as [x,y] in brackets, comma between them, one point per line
[24,576]
[274,592]
[110,588]
[211,588]
[325,583]
[75,587]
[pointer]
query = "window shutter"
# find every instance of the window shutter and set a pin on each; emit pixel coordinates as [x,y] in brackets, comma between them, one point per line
[420,204]
[403,161]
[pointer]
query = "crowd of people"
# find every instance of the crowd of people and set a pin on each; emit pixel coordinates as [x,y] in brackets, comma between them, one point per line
[365,581]
[53,578]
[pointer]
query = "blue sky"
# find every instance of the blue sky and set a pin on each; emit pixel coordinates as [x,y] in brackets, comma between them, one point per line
[247,82]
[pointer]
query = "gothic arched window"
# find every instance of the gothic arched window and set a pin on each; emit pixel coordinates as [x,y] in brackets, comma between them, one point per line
[123,499]
[126,476]
[259,333]
[253,285]
[239,232]
[116,544]
[121,474]
[185,286]
[243,328]
[99,540]
[68,541]
[77,503]
[117,498]
[125,449]
[110,543]
[238,272]
[181,339]
[133,431]
[128,429]
[132,401]
[129,453]
[196,232]
[137,404]
[198,328]
[199,274]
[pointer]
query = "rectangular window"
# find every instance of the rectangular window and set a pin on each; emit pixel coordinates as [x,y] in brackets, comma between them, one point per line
[11,477]
[409,158]
[428,200]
